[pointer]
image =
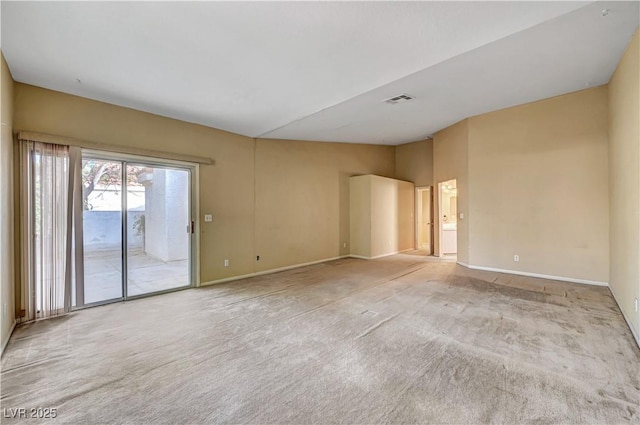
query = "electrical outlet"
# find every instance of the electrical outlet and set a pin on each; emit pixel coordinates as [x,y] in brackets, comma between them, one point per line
[635,305]
[344,244]
[257,258]
[226,263]
[516,258]
[208,217]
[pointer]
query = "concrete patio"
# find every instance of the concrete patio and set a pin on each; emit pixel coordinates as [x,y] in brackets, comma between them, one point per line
[103,274]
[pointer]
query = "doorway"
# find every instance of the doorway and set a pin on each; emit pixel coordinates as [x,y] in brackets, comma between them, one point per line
[137,225]
[424,220]
[448,218]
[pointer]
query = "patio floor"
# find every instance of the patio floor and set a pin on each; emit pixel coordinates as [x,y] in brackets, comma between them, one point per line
[103,274]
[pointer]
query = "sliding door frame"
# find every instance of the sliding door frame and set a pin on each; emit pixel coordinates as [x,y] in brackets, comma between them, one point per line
[193,202]
[191,232]
[79,280]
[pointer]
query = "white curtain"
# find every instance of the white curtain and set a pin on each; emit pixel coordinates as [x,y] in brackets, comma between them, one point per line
[51,181]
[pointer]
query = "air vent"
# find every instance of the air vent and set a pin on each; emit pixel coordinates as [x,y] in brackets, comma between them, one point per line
[399,99]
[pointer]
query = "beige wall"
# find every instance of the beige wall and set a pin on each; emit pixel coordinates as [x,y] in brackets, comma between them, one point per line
[302,197]
[624,182]
[392,219]
[226,188]
[7,311]
[538,179]
[414,162]
[382,220]
[360,215]
[278,221]
[450,161]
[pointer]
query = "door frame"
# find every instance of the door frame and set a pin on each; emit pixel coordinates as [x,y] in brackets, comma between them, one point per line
[193,203]
[420,190]
[440,222]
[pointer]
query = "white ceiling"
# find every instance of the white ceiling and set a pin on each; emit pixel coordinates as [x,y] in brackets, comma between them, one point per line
[316,70]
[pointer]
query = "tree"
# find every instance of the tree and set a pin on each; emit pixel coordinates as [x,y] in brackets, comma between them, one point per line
[98,173]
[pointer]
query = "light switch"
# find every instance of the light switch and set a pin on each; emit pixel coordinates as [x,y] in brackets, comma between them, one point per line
[208,217]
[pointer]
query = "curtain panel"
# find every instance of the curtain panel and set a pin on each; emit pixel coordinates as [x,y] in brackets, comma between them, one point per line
[51,178]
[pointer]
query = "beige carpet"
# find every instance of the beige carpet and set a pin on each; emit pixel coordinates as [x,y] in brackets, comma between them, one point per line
[396,340]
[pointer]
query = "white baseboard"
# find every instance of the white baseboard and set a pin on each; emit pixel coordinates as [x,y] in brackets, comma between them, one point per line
[295,266]
[5,342]
[635,333]
[362,257]
[279,269]
[542,276]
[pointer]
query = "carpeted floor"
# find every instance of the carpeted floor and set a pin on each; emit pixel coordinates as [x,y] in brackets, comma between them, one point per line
[395,340]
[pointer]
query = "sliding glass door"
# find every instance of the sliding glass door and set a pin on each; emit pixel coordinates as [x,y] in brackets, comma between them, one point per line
[158,229]
[102,231]
[137,229]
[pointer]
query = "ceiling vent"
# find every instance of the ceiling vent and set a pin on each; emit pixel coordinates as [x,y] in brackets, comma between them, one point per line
[399,99]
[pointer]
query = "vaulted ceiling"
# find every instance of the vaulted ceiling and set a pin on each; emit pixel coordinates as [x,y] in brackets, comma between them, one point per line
[317,70]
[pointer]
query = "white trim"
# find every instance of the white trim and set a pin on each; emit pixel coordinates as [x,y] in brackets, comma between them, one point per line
[362,257]
[4,343]
[542,276]
[195,213]
[635,333]
[417,208]
[279,269]
[438,215]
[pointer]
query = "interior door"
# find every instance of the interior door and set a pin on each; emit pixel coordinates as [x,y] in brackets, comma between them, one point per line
[427,220]
[158,228]
[424,220]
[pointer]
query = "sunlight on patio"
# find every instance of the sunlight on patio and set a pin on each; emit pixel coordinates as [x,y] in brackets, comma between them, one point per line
[103,274]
